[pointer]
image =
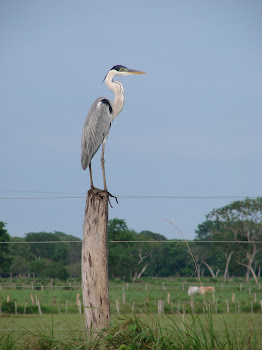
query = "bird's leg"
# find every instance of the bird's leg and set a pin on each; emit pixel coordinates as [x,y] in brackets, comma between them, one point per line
[91,178]
[103,164]
[104,174]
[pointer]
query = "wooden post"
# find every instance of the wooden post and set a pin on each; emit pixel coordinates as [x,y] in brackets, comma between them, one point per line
[39,307]
[147,298]
[95,288]
[117,307]
[80,307]
[192,306]
[77,299]
[233,298]
[227,305]
[133,305]
[160,306]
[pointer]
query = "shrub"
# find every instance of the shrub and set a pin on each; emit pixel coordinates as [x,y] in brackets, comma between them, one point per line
[44,268]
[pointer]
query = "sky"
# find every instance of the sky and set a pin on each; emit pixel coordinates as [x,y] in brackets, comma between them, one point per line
[190,127]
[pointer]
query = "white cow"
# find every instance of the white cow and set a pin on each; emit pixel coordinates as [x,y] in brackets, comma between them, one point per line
[203,290]
[192,290]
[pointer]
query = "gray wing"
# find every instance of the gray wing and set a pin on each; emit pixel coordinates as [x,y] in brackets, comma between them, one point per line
[95,130]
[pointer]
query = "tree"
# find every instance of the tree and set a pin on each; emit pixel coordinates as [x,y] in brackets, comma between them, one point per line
[146,253]
[41,250]
[45,268]
[238,221]
[217,253]
[5,258]
[21,256]
[121,260]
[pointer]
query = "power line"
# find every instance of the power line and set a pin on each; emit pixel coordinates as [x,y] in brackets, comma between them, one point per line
[170,241]
[131,197]
[39,242]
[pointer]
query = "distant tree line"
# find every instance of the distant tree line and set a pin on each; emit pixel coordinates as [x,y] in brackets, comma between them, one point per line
[151,254]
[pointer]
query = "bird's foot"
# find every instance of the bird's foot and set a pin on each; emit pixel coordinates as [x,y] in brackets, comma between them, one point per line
[101,192]
[110,195]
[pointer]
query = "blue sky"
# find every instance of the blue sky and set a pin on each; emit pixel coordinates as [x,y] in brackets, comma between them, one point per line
[190,127]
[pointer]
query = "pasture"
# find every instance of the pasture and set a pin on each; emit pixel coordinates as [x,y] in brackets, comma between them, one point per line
[235,309]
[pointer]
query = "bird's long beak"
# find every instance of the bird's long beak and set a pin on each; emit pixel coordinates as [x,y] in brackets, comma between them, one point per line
[134,71]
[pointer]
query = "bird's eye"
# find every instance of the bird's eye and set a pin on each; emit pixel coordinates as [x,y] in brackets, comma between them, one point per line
[122,69]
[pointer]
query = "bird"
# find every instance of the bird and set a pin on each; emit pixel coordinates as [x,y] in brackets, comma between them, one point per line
[99,119]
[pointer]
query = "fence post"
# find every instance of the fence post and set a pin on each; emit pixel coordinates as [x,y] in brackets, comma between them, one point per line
[227,305]
[39,307]
[32,299]
[133,305]
[192,306]
[117,307]
[160,306]
[95,288]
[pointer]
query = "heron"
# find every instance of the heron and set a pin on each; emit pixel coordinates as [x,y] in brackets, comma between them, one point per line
[99,119]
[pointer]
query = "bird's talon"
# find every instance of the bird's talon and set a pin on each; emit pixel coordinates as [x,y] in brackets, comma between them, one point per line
[110,195]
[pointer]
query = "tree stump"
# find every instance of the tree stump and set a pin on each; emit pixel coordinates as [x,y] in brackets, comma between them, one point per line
[95,261]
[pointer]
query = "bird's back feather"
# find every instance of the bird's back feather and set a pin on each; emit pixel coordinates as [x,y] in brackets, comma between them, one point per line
[96,128]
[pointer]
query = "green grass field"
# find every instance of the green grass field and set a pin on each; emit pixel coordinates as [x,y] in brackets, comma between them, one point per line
[58,330]
[138,297]
[176,328]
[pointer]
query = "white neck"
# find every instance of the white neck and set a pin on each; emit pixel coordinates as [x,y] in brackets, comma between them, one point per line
[118,89]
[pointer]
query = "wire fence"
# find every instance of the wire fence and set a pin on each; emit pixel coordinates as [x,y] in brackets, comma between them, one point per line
[168,241]
[133,197]
[170,287]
